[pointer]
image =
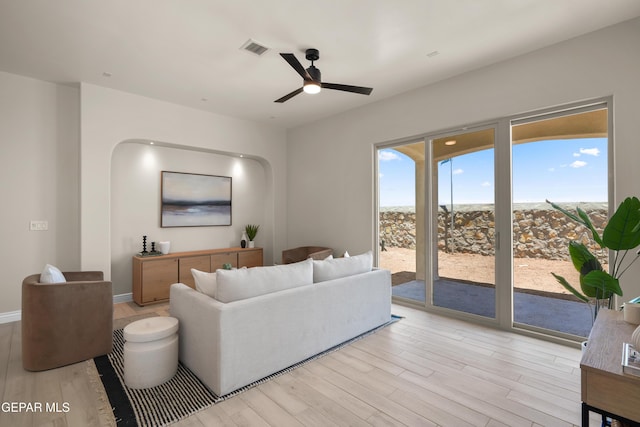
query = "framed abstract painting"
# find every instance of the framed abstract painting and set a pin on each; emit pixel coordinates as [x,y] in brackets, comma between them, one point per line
[195,200]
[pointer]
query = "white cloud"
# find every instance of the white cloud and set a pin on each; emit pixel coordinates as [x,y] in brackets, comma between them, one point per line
[552,169]
[486,184]
[590,151]
[578,164]
[458,171]
[386,156]
[576,154]
[380,175]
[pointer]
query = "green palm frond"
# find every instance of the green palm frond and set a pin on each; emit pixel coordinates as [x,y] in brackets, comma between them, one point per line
[621,234]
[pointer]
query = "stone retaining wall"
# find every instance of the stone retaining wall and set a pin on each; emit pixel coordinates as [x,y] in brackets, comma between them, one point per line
[538,233]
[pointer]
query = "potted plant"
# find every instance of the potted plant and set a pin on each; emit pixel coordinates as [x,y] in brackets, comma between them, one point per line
[251,231]
[620,235]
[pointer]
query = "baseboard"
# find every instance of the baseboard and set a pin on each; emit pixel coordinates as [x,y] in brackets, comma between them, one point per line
[15,316]
[122,298]
[10,316]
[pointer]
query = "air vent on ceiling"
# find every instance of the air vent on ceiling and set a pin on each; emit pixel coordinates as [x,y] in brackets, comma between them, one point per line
[254,47]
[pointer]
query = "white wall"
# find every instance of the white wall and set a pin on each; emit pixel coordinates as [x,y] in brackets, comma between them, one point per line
[39,170]
[135,202]
[109,117]
[319,178]
[56,146]
[330,163]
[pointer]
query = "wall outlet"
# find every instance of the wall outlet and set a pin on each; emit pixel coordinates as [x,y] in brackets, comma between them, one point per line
[39,225]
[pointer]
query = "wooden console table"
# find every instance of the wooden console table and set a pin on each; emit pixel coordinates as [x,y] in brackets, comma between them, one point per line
[153,275]
[605,389]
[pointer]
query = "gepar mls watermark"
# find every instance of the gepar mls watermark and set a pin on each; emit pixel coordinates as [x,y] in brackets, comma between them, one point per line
[35,407]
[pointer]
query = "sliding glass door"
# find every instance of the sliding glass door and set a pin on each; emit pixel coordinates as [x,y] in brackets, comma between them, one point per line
[465,226]
[563,158]
[401,207]
[463,222]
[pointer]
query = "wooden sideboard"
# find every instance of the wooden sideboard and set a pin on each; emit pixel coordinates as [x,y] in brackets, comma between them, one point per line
[605,388]
[153,275]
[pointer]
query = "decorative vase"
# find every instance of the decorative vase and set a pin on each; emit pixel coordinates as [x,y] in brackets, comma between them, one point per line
[635,338]
[252,244]
[164,247]
[631,313]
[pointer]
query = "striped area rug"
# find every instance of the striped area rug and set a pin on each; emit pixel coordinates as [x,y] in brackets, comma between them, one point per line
[179,397]
[174,400]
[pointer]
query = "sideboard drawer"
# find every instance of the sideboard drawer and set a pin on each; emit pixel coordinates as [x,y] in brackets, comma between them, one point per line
[219,260]
[202,263]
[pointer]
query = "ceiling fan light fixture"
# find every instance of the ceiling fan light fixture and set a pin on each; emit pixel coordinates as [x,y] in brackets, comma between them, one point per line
[311,87]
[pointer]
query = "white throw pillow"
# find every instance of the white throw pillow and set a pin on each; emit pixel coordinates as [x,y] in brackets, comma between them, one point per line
[342,267]
[234,285]
[51,274]
[205,282]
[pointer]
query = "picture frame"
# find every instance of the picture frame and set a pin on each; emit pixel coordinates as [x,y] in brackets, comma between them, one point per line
[195,200]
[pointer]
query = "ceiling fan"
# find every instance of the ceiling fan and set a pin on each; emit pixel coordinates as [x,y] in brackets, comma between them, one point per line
[312,81]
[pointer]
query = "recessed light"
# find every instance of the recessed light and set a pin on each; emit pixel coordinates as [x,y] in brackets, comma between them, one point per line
[241,155]
[151,142]
[451,142]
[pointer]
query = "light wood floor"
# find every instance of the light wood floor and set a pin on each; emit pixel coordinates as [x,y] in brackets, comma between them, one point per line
[424,370]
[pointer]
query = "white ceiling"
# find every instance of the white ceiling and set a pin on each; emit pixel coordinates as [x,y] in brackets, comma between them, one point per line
[188,51]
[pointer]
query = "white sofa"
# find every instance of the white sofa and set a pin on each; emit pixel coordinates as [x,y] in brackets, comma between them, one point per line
[231,344]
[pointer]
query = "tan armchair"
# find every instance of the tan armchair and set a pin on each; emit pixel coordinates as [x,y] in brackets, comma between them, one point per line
[65,323]
[303,252]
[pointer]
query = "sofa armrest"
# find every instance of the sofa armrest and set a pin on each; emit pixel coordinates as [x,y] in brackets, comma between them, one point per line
[199,331]
[303,252]
[83,276]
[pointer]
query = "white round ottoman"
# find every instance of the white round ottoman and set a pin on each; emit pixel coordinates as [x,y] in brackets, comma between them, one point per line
[150,351]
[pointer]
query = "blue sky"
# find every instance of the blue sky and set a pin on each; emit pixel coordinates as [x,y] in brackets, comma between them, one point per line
[571,170]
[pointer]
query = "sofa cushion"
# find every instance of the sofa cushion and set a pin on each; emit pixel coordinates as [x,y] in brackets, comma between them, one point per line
[51,274]
[342,267]
[234,285]
[205,282]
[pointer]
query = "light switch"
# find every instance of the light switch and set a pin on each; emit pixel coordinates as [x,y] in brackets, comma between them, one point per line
[39,225]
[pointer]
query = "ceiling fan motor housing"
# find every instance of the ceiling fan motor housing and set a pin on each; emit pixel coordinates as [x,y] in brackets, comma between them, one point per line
[315,74]
[312,54]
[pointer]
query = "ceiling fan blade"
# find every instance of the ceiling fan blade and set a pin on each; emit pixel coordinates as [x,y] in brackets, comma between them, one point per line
[289,96]
[293,61]
[348,88]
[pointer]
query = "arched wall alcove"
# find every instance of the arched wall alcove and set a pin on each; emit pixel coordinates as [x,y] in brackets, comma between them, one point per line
[111,121]
[136,167]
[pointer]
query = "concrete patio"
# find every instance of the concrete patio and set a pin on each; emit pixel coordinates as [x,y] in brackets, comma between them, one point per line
[541,310]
